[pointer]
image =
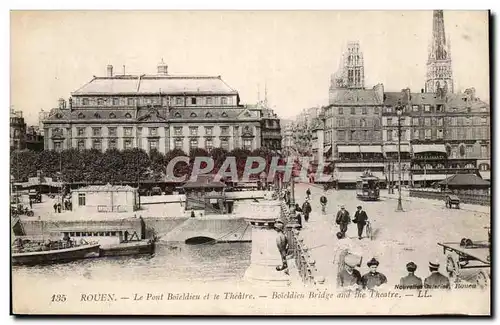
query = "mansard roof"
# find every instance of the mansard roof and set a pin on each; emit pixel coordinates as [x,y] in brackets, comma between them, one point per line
[155,84]
[354,97]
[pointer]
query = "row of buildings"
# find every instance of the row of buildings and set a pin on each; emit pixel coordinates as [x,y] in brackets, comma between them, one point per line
[22,136]
[442,132]
[159,112]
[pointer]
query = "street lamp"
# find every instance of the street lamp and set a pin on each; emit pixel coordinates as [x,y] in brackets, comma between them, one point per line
[399,112]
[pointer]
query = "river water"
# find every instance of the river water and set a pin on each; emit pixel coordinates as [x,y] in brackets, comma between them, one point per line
[170,262]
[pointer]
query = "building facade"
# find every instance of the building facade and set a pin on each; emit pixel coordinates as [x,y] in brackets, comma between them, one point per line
[352,123]
[17,130]
[34,139]
[271,137]
[104,198]
[161,112]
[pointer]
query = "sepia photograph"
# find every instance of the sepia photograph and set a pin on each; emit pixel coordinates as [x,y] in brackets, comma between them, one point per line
[176,162]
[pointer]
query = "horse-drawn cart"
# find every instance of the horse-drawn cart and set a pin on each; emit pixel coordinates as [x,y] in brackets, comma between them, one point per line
[469,260]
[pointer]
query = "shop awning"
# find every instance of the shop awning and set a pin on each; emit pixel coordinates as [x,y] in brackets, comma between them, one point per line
[394,148]
[351,177]
[360,164]
[372,149]
[348,149]
[486,175]
[429,177]
[347,177]
[417,148]
[327,149]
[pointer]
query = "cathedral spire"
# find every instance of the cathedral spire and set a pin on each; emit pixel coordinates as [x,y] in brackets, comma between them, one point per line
[439,72]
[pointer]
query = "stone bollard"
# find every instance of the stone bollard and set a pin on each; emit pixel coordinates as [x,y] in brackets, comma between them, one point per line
[265,255]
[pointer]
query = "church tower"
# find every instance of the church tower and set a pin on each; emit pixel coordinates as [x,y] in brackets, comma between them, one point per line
[351,73]
[439,72]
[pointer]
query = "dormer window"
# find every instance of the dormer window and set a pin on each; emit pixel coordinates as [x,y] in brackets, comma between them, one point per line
[85,101]
[208,114]
[81,115]
[96,115]
[177,114]
[128,115]
[58,115]
[100,101]
[112,115]
[193,114]
[224,114]
[247,114]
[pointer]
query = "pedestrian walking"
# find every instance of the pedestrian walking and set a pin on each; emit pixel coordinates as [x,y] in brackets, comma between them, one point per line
[323,201]
[360,218]
[373,278]
[58,207]
[436,280]
[411,281]
[31,204]
[298,215]
[342,220]
[306,208]
[308,193]
[55,207]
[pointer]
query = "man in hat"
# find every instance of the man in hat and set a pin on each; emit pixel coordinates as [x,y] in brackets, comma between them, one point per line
[349,276]
[360,218]
[373,278]
[411,281]
[281,243]
[323,200]
[306,208]
[343,220]
[436,280]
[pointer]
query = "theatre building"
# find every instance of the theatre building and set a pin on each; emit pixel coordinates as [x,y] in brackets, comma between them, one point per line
[159,111]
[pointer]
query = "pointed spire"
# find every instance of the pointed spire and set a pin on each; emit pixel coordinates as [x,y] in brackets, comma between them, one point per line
[258,93]
[265,93]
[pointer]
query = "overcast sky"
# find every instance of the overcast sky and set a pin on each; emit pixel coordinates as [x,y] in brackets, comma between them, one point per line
[54,53]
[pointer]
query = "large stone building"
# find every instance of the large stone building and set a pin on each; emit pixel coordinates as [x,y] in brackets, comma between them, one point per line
[17,130]
[352,128]
[159,112]
[442,133]
[271,137]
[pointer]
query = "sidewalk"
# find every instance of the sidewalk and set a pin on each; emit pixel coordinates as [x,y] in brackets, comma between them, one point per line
[405,195]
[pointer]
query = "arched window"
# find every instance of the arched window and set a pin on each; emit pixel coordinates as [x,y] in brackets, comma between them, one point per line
[112,115]
[96,115]
[428,166]
[81,115]
[177,114]
[193,114]
[470,166]
[128,115]
[58,115]
[224,114]
[208,114]
[439,166]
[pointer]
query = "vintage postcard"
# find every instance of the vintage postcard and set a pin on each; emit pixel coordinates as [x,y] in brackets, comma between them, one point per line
[250,162]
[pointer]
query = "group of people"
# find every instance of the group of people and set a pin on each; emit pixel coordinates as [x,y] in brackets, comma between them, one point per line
[349,277]
[343,219]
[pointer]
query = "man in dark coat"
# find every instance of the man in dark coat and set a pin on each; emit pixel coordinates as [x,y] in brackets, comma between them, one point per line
[306,208]
[436,280]
[360,218]
[323,200]
[411,281]
[343,220]
[298,214]
[373,278]
[308,193]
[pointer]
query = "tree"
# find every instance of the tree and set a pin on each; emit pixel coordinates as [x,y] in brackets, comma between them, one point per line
[219,156]
[158,166]
[180,168]
[136,165]
[111,167]
[23,164]
[240,156]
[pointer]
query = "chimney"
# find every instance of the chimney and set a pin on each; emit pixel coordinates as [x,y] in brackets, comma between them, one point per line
[162,68]
[62,103]
[109,71]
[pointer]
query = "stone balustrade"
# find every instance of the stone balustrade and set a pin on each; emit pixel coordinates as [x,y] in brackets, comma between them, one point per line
[306,265]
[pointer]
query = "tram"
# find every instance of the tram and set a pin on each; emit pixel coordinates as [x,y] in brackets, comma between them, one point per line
[368,187]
